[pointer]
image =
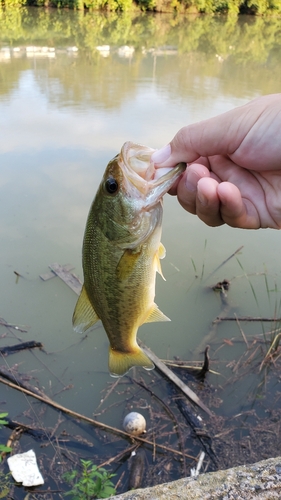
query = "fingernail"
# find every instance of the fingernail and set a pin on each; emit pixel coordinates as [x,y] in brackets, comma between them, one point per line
[162,154]
[202,198]
[191,181]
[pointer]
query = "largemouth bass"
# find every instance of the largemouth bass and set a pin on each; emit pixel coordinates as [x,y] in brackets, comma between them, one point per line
[122,252]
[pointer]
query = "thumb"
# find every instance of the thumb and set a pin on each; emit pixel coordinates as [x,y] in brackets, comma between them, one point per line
[220,135]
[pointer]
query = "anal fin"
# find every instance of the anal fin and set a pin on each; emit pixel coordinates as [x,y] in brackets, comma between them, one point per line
[156,315]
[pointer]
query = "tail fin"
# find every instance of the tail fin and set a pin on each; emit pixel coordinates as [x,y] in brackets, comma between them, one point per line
[121,362]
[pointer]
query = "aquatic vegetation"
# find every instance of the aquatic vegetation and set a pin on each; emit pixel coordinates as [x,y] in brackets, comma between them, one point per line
[3,448]
[5,484]
[91,482]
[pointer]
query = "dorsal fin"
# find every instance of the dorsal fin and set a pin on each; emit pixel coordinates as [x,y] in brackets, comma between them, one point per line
[84,315]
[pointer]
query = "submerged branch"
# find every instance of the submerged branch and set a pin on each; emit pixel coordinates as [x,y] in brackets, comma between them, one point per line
[15,327]
[246,318]
[225,261]
[31,344]
[173,378]
[45,399]
[209,337]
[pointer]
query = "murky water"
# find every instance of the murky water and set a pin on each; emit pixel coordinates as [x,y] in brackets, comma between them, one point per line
[73,88]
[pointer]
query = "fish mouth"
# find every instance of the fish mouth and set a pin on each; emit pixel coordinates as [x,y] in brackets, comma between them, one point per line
[152,183]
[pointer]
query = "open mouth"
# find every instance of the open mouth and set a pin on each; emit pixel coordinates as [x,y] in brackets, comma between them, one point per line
[138,159]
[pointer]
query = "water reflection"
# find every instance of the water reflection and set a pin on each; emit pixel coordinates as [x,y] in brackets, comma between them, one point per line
[73,88]
[93,48]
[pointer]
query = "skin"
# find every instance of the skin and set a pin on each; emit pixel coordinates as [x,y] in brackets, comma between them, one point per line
[234,171]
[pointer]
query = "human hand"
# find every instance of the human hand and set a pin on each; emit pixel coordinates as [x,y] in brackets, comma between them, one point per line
[234,171]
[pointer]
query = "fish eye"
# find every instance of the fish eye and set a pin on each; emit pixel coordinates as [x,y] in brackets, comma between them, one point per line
[111,185]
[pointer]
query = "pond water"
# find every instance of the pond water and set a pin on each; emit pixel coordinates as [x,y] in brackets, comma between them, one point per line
[73,88]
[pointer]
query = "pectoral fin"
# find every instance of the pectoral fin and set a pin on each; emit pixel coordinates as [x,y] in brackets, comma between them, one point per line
[156,315]
[84,315]
[160,255]
[161,251]
[127,263]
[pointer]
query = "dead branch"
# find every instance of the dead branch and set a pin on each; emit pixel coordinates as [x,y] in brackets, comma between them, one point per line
[21,383]
[15,327]
[169,413]
[225,261]
[31,344]
[174,379]
[246,318]
[225,308]
[74,414]
[120,455]
[40,434]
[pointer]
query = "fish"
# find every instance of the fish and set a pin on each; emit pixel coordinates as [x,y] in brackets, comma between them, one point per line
[121,254]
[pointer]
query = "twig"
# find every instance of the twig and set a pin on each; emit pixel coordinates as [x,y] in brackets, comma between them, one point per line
[195,472]
[74,414]
[241,331]
[206,365]
[120,455]
[31,344]
[15,327]
[182,364]
[10,328]
[154,448]
[273,347]
[119,480]
[224,262]
[246,318]
[113,386]
[21,383]
[225,308]
[173,378]
[46,435]
[172,417]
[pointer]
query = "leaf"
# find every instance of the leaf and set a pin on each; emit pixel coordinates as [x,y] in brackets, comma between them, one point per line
[107,492]
[98,483]
[5,448]
[4,492]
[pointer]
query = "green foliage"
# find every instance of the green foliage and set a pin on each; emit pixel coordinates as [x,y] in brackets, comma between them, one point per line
[147,4]
[259,7]
[3,448]
[262,7]
[91,482]
[2,419]
[5,484]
